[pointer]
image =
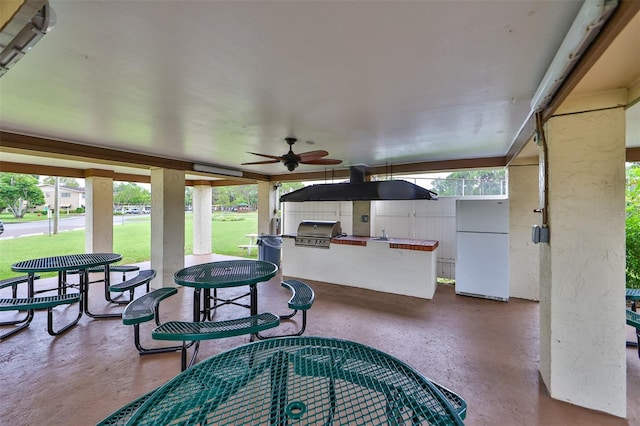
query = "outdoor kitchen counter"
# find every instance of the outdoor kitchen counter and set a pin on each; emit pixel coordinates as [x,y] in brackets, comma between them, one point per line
[397,265]
[394,243]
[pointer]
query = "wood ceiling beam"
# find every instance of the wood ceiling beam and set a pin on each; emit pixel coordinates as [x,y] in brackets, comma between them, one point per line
[32,143]
[109,156]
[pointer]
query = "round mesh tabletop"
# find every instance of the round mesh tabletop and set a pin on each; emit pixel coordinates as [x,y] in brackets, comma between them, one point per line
[66,262]
[227,273]
[298,380]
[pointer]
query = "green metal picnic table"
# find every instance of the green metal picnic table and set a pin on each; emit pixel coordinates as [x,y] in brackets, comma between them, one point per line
[296,380]
[63,264]
[633,294]
[228,273]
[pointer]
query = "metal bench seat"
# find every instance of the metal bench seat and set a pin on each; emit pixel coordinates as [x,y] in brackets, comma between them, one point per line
[143,277]
[14,281]
[633,319]
[146,308]
[301,300]
[114,268]
[34,303]
[190,331]
[207,330]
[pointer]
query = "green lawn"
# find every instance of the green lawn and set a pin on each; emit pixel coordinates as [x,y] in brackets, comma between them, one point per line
[132,240]
[29,217]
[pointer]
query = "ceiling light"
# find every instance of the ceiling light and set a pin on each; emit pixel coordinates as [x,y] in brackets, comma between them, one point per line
[216,170]
[592,15]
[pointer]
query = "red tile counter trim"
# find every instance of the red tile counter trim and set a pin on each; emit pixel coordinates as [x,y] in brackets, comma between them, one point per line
[350,241]
[394,243]
[421,245]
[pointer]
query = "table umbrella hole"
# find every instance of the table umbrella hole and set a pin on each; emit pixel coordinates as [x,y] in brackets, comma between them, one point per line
[295,409]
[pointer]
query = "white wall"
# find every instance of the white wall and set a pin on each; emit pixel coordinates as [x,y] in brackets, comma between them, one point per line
[524,255]
[294,213]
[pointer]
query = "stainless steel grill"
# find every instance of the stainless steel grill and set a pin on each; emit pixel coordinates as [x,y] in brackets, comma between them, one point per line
[317,233]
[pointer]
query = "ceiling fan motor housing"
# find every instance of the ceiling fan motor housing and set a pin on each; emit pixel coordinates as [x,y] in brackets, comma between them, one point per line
[291,164]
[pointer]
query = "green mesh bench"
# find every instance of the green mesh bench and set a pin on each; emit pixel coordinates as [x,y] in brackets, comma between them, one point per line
[14,281]
[115,268]
[143,277]
[124,269]
[31,304]
[207,330]
[301,300]
[633,319]
[633,294]
[146,308]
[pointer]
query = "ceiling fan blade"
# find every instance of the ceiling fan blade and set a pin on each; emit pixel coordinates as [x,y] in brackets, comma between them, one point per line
[310,155]
[261,162]
[322,161]
[275,157]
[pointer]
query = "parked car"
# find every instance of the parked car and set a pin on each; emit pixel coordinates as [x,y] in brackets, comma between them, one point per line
[1,227]
[134,210]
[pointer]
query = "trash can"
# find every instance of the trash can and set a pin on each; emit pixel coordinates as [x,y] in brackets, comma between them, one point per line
[269,248]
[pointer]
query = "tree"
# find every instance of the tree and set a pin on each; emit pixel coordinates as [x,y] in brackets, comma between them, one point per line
[246,194]
[130,193]
[287,187]
[188,196]
[633,226]
[18,192]
[64,181]
[472,182]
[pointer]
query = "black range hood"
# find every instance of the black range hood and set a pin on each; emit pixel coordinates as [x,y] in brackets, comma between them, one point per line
[359,190]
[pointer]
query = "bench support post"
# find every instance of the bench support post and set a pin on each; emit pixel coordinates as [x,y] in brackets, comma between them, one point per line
[20,325]
[302,299]
[54,332]
[150,351]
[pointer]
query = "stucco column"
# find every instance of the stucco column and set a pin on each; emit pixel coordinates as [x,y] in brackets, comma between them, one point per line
[98,236]
[202,217]
[167,224]
[267,203]
[582,269]
[524,264]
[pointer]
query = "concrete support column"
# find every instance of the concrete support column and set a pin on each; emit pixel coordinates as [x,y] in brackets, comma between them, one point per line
[267,206]
[167,224]
[202,217]
[524,265]
[98,237]
[582,269]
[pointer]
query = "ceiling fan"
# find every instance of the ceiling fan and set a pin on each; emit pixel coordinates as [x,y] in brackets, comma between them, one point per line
[291,159]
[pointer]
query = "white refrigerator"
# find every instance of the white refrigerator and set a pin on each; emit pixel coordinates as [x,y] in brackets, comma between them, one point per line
[482,259]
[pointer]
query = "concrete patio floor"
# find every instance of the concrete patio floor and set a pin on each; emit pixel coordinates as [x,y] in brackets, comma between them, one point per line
[486,351]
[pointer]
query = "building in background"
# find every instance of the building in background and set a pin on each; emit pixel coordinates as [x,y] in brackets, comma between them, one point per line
[69,198]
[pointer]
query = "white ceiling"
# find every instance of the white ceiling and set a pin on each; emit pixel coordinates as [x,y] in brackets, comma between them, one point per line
[372,82]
